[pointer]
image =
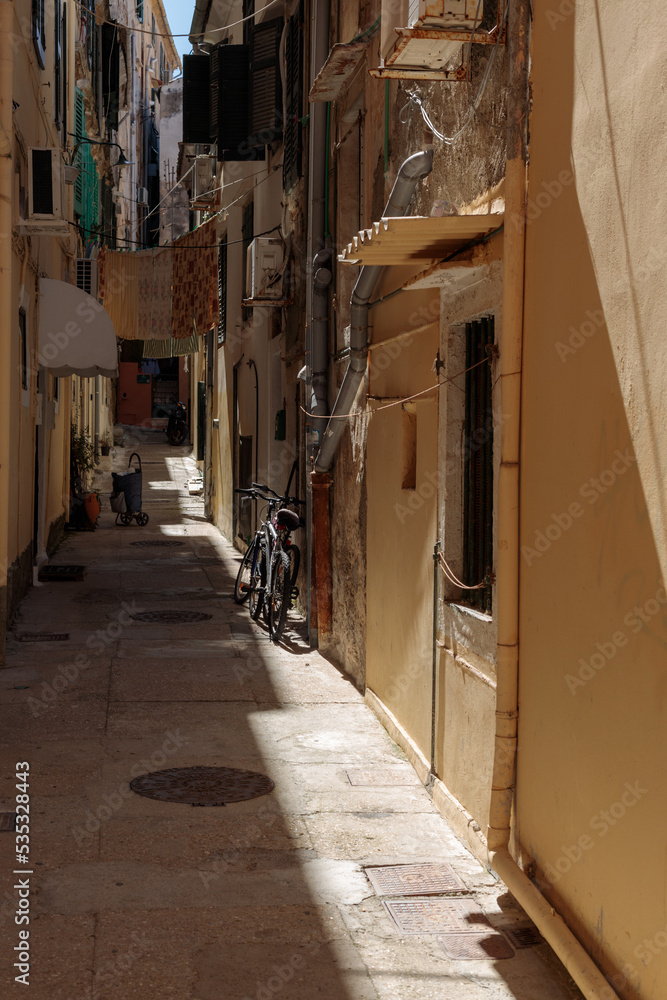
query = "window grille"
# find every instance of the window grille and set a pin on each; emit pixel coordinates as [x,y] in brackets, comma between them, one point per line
[478,464]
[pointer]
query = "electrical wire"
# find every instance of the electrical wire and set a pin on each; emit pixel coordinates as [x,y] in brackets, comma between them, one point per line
[163,246]
[160,34]
[396,402]
[444,566]
[415,99]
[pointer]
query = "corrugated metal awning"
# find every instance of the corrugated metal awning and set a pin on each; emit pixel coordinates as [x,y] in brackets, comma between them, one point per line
[338,70]
[412,238]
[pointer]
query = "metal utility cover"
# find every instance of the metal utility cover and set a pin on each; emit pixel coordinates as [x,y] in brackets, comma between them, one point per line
[171,617]
[7,822]
[158,543]
[475,947]
[382,776]
[436,916]
[415,880]
[44,637]
[202,786]
[51,572]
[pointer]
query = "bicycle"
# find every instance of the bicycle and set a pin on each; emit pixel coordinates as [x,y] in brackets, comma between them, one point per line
[267,575]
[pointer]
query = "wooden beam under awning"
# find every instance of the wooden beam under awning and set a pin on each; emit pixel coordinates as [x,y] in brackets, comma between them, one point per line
[412,238]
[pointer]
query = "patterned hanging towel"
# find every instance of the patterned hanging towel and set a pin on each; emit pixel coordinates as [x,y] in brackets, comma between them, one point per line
[155,270]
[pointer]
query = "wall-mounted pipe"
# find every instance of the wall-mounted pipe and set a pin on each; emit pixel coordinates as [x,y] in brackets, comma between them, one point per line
[416,167]
[7,303]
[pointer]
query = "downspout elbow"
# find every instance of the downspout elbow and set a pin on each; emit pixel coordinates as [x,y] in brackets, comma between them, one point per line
[414,169]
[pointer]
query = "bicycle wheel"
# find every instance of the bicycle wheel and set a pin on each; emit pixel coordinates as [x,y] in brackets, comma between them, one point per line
[294,554]
[279,598]
[258,587]
[243,581]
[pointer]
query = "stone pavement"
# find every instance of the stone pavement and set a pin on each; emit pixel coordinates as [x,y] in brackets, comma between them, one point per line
[132,897]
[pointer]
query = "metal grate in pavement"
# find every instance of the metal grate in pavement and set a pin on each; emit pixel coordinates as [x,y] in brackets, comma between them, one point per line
[43,637]
[382,776]
[158,543]
[202,786]
[7,822]
[475,947]
[524,937]
[436,916]
[415,880]
[171,617]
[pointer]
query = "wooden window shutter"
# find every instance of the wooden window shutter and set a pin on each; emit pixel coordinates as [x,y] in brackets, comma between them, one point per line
[266,110]
[80,130]
[196,99]
[222,289]
[110,74]
[230,103]
[292,138]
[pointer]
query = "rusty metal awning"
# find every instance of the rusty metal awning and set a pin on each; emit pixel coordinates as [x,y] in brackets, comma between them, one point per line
[410,239]
[339,68]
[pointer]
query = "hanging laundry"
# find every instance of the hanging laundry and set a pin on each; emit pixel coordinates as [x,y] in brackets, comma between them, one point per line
[155,270]
[118,289]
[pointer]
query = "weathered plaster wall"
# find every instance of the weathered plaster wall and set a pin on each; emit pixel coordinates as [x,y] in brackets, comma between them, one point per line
[592,721]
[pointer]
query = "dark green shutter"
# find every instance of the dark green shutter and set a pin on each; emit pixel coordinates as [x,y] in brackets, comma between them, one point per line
[196,99]
[110,74]
[266,99]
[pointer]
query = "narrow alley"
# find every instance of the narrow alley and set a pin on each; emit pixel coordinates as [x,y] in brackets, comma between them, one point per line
[270,897]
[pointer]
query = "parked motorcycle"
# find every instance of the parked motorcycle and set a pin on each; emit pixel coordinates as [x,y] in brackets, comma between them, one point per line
[177,428]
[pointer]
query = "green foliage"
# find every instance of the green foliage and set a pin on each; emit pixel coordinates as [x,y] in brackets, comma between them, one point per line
[84,454]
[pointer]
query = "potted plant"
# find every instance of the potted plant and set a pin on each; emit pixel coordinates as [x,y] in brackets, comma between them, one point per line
[85,503]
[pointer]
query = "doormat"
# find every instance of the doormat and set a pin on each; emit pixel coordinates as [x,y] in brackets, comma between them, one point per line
[7,822]
[52,573]
[202,786]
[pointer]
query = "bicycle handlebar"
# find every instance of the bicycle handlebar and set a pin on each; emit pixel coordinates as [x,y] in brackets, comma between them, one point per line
[255,491]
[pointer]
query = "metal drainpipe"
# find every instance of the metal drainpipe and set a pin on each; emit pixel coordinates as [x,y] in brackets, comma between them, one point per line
[317,305]
[6,298]
[249,363]
[416,167]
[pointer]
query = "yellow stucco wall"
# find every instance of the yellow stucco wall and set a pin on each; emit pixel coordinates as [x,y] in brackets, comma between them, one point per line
[401,522]
[592,771]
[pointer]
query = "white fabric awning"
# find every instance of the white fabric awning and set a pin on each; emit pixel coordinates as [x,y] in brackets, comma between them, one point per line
[76,335]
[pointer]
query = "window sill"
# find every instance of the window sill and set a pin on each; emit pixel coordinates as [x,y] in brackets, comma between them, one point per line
[480,615]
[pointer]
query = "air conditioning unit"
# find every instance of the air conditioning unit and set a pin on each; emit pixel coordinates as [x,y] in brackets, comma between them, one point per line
[430,33]
[443,13]
[142,196]
[44,208]
[203,187]
[263,263]
[86,275]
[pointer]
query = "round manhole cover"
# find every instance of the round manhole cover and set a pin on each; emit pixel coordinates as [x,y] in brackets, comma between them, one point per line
[158,543]
[202,786]
[171,617]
